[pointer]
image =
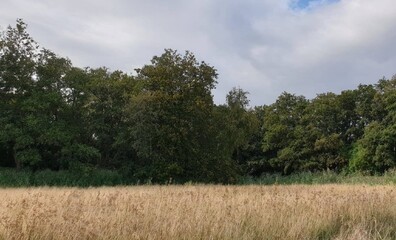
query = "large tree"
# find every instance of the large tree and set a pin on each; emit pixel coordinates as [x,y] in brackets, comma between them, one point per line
[376,151]
[172,118]
[41,125]
[281,132]
[18,55]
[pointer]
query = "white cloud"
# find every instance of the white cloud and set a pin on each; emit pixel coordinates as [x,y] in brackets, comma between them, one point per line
[263,46]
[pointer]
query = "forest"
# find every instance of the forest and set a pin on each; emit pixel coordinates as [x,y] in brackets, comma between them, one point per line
[161,124]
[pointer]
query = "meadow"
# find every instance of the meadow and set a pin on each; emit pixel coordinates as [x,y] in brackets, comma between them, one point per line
[200,212]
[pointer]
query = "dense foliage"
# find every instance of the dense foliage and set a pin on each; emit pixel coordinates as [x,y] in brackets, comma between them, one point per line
[161,125]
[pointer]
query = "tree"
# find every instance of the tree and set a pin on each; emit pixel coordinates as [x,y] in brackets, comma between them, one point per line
[366,108]
[375,151]
[281,130]
[242,124]
[327,119]
[41,125]
[173,113]
[109,94]
[18,54]
[237,99]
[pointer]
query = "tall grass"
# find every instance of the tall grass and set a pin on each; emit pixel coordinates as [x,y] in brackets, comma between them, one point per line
[101,177]
[96,177]
[200,212]
[326,177]
[13,178]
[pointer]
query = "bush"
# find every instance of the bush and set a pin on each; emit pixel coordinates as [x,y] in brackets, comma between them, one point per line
[94,178]
[13,178]
[100,177]
[52,178]
[327,177]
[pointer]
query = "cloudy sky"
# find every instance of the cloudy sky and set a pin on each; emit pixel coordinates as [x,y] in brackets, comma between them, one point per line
[263,46]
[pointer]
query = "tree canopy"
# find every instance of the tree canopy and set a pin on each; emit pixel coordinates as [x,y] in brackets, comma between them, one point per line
[161,124]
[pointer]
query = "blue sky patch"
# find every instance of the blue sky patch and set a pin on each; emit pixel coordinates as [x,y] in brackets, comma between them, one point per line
[302,4]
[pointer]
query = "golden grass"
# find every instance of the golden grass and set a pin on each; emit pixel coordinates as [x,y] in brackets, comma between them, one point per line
[200,212]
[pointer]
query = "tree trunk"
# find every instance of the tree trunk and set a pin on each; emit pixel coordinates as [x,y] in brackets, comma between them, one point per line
[18,164]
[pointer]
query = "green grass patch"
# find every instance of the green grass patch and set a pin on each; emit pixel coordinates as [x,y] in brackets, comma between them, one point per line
[93,178]
[327,177]
[102,177]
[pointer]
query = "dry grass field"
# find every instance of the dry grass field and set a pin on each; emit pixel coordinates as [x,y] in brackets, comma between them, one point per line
[200,212]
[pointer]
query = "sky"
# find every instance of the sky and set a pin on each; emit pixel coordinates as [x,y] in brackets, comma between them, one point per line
[265,47]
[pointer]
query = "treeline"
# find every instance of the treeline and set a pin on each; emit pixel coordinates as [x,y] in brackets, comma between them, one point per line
[161,125]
